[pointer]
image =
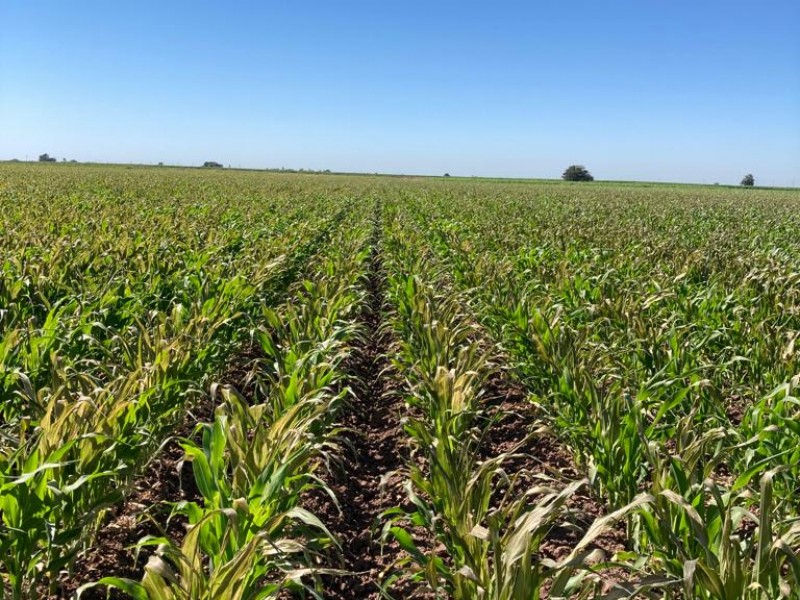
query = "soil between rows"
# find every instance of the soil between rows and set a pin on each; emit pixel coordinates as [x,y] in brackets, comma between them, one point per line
[144,512]
[541,453]
[370,479]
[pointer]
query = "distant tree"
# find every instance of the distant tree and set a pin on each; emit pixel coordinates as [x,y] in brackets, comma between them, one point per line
[161,164]
[447,174]
[749,180]
[46,158]
[212,164]
[577,173]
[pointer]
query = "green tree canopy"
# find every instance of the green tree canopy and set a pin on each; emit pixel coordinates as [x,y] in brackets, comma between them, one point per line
[577,173]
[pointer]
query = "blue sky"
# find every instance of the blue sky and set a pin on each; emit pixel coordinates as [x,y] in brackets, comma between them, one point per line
[701,91]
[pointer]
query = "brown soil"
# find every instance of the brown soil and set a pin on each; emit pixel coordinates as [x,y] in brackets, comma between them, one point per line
[512,419]
[735,408]
[541,453]
[370,479]
[144,512]
[241,370]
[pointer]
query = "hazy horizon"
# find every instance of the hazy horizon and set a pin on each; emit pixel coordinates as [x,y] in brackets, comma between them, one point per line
[673,93]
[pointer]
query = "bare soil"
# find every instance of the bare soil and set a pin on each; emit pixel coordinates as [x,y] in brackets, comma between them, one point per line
[370,480]
[534,450]
[144,512]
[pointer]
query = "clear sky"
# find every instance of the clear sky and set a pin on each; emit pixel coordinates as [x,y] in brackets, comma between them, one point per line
[700,91]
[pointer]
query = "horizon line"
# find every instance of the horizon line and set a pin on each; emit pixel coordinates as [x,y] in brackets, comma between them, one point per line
[446,175]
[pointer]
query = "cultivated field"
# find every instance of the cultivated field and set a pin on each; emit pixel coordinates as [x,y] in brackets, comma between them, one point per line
[242,385]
